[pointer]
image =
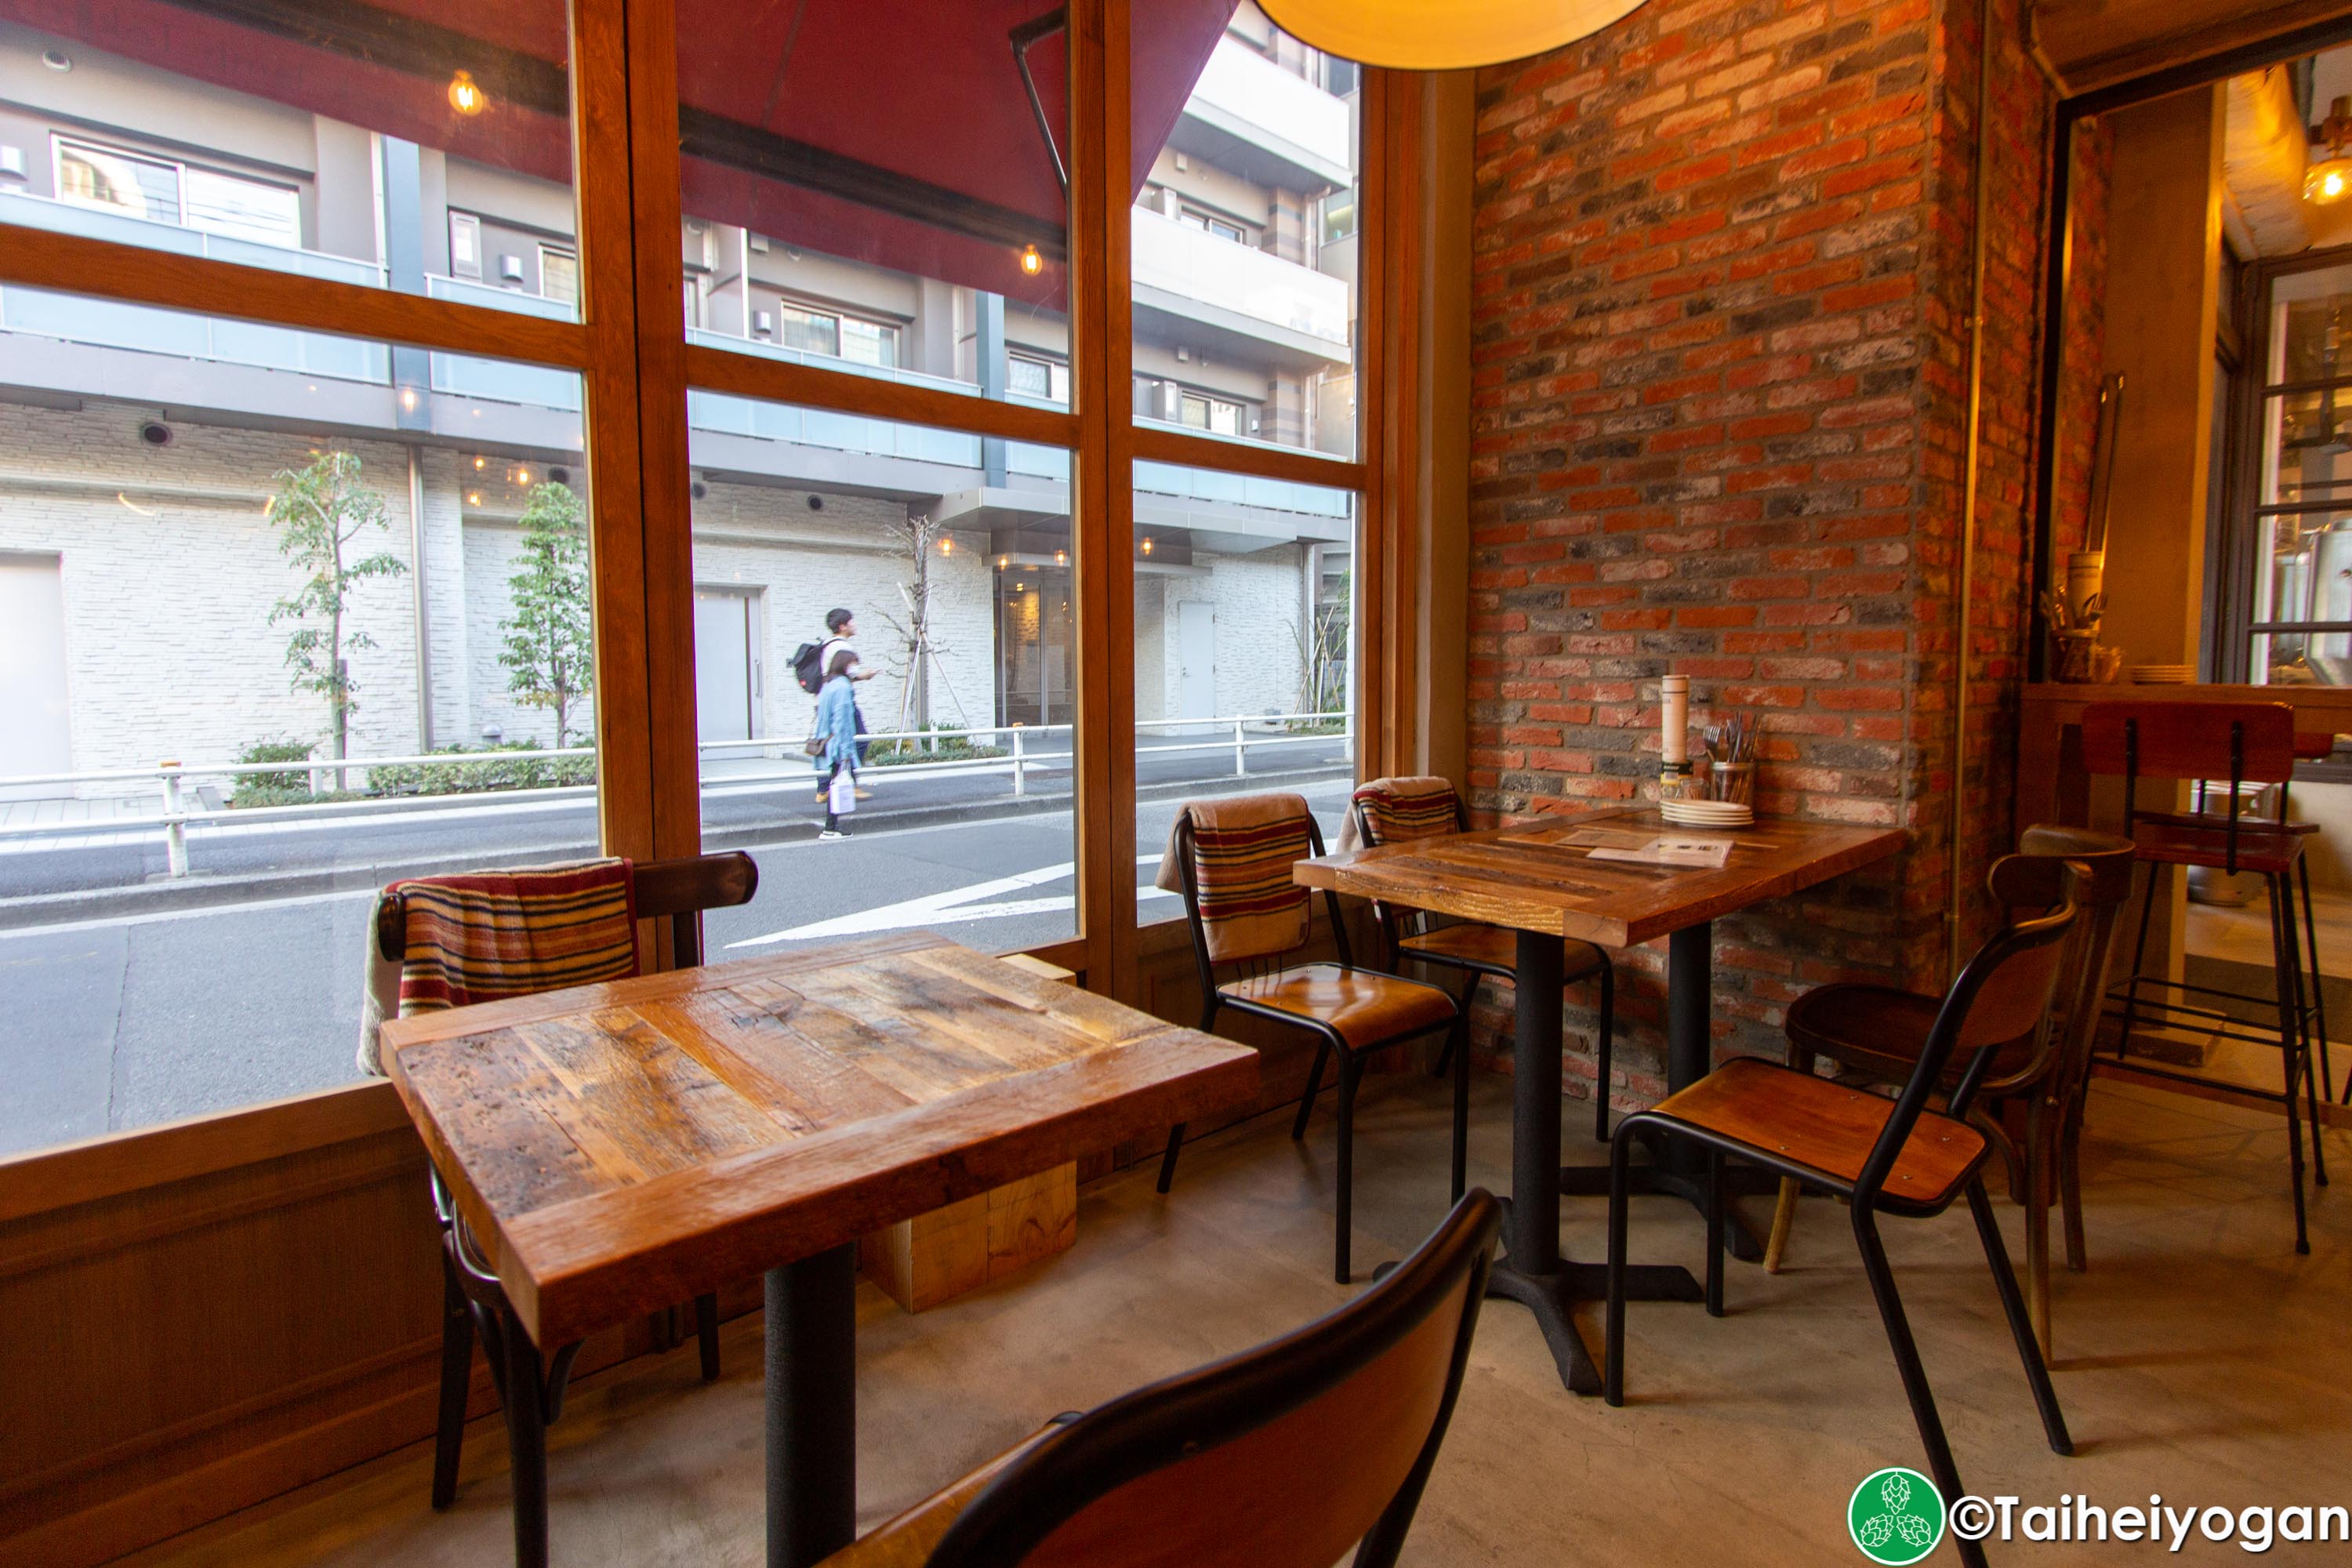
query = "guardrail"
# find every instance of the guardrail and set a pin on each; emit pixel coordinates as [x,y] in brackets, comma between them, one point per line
[1020,743]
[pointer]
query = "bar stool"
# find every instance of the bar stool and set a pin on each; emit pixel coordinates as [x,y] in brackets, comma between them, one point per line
[2243,742]
[1396,810]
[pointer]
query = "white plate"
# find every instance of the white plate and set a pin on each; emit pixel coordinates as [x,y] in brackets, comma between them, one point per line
[1708,813]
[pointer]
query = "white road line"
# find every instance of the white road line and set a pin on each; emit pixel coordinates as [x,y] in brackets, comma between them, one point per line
[955,904]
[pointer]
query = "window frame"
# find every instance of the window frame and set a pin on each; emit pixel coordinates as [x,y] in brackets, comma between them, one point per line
[622,99]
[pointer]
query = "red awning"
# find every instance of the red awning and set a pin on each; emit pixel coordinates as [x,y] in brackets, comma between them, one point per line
[896,133]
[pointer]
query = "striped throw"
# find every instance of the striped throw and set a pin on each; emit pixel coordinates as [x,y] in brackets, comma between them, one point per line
[1243,849]
[1397,809]
[479,937]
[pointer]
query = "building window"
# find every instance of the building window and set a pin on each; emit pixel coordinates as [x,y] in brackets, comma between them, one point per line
[464,246]
[1197,411]
[163,191]
[1039,378]
[1338,217]
[559,274]
[838,336]
[1209,223]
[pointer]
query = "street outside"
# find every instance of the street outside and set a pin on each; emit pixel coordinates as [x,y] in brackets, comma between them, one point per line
[138,998]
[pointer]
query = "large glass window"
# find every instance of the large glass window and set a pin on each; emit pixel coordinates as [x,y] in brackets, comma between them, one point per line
[1244,632]
[938,564]
[2301,627]
[321,623]
[430,160]
[877,188]
[1244,232]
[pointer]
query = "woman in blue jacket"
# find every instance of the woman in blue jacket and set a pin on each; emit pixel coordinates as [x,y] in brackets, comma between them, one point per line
[836,726]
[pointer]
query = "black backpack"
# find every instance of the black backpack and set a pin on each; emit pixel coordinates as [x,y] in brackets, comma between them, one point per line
[808,667]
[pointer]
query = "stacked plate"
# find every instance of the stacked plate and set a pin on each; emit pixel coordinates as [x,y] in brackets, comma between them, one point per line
[2163,674]
[1706,812]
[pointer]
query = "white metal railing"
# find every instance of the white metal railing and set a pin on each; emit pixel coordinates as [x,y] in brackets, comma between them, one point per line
[1277,108]
[1020,744]
[1192,265]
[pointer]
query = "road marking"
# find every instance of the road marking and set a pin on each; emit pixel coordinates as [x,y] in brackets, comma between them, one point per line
[955,904]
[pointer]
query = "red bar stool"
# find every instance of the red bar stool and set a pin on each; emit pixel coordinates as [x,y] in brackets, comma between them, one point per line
[2243,742]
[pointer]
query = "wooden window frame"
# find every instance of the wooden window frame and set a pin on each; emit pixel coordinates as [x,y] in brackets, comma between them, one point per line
[630,349]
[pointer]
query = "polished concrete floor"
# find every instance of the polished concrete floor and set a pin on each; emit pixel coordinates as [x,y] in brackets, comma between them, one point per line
[2199,1358]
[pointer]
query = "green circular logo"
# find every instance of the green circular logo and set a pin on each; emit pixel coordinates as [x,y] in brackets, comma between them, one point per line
[1896,1516]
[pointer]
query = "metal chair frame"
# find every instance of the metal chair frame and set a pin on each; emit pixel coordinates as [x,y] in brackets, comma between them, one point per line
[1328,1040]
[1396,925]
[2300,1034]
[1867,1195]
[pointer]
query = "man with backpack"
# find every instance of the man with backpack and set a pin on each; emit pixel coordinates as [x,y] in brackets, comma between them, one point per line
[813,661]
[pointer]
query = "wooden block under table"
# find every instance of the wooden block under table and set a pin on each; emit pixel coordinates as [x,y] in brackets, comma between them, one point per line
[937,1256]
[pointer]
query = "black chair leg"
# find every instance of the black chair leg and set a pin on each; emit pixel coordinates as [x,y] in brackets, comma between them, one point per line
[1168,1160]
[1613,1344]
[1600,1053]
[457,1376]
[1453,1041]
[1350,1069]
[1715,1233]
[1314,1087]
[706,1334]
[526,1442]
[2139,963]
[2021,1324]
[2290,1041]
[1946,1474]
[1460,1036]
[2318,987]
[2303,1024]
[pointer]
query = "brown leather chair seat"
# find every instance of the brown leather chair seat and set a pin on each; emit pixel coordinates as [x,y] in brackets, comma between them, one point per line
[1830,1128]
[1365,1006]
[1879,1029]
[2264,849]
[1491,950]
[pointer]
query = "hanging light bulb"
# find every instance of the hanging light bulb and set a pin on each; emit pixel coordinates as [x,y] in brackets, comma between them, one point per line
[2330,179]
[1032,263]
[465,95]
[1441,34]
[1061,558]
[1147,544]
[947,545]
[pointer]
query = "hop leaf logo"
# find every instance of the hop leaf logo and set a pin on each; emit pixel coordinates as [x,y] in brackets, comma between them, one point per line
[1895,1517]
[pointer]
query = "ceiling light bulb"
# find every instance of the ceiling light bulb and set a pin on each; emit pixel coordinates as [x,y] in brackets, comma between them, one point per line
[1032,263]
[2327,180]
[465,95]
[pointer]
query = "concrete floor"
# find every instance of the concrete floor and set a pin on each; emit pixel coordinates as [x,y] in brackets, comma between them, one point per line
[2199,1358]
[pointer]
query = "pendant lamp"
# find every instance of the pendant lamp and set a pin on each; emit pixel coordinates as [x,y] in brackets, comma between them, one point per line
[1441,34]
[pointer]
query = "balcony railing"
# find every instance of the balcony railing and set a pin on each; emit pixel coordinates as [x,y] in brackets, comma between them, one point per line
[1278,110]
[72,218]
[1193,265]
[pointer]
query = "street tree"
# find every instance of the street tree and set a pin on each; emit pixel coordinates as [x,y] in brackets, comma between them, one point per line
[321,511]
[547,652]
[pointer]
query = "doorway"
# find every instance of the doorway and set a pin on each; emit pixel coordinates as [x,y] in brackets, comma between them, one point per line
[35,737]
[726,672]
[1196,660]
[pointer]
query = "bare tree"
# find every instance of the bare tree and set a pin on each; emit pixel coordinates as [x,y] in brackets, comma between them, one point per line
[914,649]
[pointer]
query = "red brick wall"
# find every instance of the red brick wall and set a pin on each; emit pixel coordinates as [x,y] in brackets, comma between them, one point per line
[1721,271]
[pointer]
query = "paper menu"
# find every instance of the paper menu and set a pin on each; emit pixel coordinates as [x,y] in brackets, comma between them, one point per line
[1654,849]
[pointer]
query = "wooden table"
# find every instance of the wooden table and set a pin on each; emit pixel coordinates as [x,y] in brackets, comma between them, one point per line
[1530,879]
[2051,785]
[616,1147]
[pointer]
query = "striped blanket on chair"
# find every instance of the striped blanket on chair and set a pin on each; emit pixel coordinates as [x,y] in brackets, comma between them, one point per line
[485,935]
[1243,849]
[1397,809]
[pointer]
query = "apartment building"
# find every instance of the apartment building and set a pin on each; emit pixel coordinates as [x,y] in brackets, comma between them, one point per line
[141,449]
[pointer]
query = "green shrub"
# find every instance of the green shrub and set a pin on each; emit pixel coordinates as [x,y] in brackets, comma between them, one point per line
[291,787]
[520,766]
[941,749]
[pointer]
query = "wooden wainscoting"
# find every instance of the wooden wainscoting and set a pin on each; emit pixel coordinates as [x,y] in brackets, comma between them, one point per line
[206,1315]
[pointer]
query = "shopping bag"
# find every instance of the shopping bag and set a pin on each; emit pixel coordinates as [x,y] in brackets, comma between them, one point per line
[844,797]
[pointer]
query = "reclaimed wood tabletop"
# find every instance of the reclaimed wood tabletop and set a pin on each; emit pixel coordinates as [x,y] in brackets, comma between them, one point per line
[617,1147]
[1536,877]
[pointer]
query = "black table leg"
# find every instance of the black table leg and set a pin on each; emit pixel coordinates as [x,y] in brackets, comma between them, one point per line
[1679,1170]
[1533,1273]
[812,1408]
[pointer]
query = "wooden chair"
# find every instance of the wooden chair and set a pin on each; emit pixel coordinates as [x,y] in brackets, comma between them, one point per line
[1283,1457]
[2243,742]
[474,1303]
[1246,915]
[1876,1034]
[1385,815]
[1896,1156]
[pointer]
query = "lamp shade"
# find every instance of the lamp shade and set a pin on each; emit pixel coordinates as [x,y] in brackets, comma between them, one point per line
[1441,34]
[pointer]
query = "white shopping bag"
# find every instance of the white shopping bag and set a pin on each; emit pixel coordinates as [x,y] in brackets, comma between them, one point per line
[844,797]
